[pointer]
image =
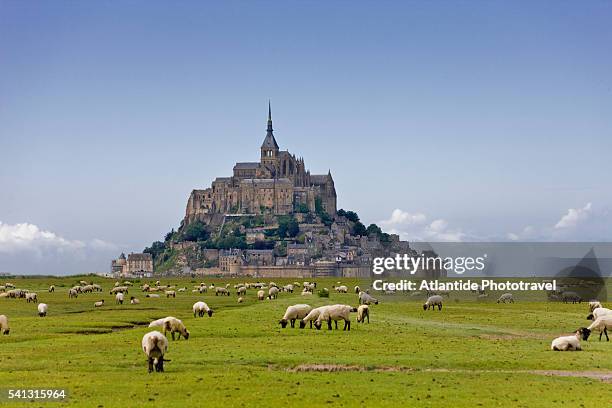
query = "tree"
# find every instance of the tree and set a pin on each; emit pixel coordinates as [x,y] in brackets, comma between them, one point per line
[359,229]
[169,235]
[351,216]
[196,231]
[374,229]
[155,249]
[288,227]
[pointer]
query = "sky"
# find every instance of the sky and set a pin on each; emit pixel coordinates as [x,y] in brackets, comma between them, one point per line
[440,121]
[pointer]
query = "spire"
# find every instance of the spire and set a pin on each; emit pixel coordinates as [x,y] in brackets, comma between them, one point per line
[269,142]
[269,117]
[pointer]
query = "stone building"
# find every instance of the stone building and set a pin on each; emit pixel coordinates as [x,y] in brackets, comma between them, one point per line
[277,184]
[140,264]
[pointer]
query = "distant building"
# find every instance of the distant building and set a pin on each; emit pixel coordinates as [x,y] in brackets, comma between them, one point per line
[140,265]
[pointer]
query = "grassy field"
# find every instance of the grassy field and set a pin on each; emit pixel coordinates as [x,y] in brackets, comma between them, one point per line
[469,354]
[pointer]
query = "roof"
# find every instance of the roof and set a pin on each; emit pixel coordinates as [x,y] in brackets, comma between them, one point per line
[269,142]
[247,165]
[318,178]
[140,257]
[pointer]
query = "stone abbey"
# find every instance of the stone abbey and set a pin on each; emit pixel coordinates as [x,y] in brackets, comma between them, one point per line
[277,184]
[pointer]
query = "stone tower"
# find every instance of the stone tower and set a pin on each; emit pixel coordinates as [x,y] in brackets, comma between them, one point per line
[269,147]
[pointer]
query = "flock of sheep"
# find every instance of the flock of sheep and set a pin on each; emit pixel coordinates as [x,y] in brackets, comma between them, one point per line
[155,343]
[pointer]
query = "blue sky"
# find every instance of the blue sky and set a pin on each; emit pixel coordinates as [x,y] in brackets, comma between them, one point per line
[439,120]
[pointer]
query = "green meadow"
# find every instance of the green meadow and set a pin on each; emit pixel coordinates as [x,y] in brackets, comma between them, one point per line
[472,353]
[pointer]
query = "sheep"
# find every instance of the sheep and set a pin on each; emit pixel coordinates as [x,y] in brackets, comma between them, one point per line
[506,298]
[567,343]
[128,283]
[363,312]
[152,295]
[241,291]
[335,313]
[602,324]
[296,284]
[240,299]
[221,291]
[174,325]
[158,322]
[99,303]
[312,316]
[288,288]
[119,298]
[594,305]
[306,293]
[51,289]
[571,296]
[273,285]
[83,283]
[182,289]
[116,289]
[261,294]
[170,293]
[9,285]
[357,289]
[4,326]
[432,302]
[200,308]
[341,289]
[146,287]
[87,289]
[155,346]
[367,299]
[42,309]
[134,301]
[600,311]
[97,287]
[293,313]
[31,297]
[273,292]
[72,293]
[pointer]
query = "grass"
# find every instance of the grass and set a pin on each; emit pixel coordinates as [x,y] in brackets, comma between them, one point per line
[470,354]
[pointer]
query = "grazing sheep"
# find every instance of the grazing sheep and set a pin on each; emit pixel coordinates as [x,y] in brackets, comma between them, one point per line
[134,301]
[357,289]
[31,297]
[146,287]
[51,289]
[367,299]
[306,293]
[158,322]
[567,343]
[170,293]
[293,313]
[273,292]
[297,284]
[119,298]
[312,316]
[152,295]
[99,303]
[288,288]
[241,291]
[594,305]
[335,313]
[182,289]
[117,289]
[601,324]
[4,326]
[566,297]
[221,291]
[72,293]
[155,346]
[97,287]
[9,285]
[506,298]
[174,325]
[261,294]
[341,289]
[200,308]
[42,309]
[363,312]
[432,302]
[240,299]
[83,283]
[600,311]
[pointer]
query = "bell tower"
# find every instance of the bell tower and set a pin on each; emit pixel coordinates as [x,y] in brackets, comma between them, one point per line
[269,147]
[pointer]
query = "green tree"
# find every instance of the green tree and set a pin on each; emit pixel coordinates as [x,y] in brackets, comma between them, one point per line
[374,229]
[288,227]
[155,249]
[359,229]
[196,231]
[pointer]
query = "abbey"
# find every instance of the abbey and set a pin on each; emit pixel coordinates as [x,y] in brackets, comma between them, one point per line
[277,184]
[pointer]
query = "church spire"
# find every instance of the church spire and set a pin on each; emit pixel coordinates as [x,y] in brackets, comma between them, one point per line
[269,118]
[269,147]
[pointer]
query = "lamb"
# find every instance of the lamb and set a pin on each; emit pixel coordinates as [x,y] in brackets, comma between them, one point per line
[312,316]
[261,294]
[363,312]
[293,313]
[335,312]
[51,288]
[273,292]
[367,299]
[174,325]
[155,346]
[341,289]
[432,302]
[601,324]
[506,298]
[567,343]
[170,293]
[4,326]
[42,309]
[594,305]
[600,311]
[99,303]
[119,298]
[221,291]
[134,301]
[31,297]
[200,308]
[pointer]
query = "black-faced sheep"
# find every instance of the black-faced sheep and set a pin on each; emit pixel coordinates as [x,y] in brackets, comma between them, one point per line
[273,292]
[363,312]
[506,298]
[335,313]
[199,308]
[432,302]
[4,326]
[119,298]
[42,309]
[601,324]
[367,299]
[31,297]
[174,325]
[293,313]
[51,289]
[155,346]
[99,303]
[567,343]
[221,291]
[134,301]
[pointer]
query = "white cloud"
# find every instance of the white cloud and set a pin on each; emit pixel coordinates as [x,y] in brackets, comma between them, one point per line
[414,227]
[527,233]
[574,216]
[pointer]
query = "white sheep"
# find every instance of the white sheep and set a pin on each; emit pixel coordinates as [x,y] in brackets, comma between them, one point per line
[119,298]
[367,299]
[432,302]
[240,299]
[134,301]
[152,295]
[99,303]
[273,292]
[181,289]
[335,313]
[174,325]
[341,289]
[357,289]
[567,343]
[4,326]
[221,291]
[241,290]
[200,308]
[288,288]
[600,311]
[293,313]
[31,297]
[51,289]
[312,316]
[42,309]
[506,298]
[363,312]
[170,293]
[594,305]
[158,322]
[155,346]
[601,324]
[261,295]
[306,293]
[73,293]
